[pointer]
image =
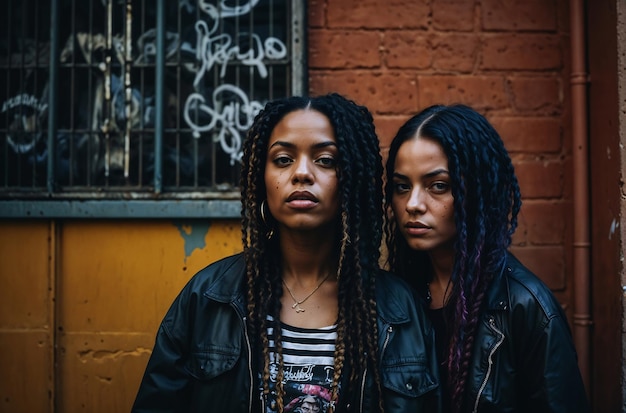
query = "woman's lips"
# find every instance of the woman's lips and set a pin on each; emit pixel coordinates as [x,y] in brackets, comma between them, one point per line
[416,228]
[302,200]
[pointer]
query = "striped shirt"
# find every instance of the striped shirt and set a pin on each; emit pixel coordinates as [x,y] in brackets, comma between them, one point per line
[308,366]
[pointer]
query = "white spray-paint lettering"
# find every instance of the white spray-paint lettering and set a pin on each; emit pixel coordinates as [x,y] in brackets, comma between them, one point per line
[24,129]
[234,118]
[24,99]
[224,10]
[219,49]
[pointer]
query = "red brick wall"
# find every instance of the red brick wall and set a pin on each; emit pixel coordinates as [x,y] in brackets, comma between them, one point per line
[508,59]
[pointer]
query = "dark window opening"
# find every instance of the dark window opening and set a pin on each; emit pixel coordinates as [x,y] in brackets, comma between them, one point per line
[222,60]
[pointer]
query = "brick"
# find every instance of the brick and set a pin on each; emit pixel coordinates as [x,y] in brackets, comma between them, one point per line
[521,52]
[383,93]
[545,262]
[529,134]
[540,179]
[568,178]
[407,50]
[316,13]
[343,49]
[531,15]
[386,127]
[395,14]
[520,236]
[563,16]
[537,94]
[455,52]
[457,15]
[544,222]
[480,92]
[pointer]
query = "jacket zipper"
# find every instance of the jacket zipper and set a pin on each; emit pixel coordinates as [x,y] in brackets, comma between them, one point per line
[492,324]
[382,351]
[362,390]
[387,338]
[245,333]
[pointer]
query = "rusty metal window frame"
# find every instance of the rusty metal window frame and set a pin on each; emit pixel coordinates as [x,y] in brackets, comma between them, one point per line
[159,198]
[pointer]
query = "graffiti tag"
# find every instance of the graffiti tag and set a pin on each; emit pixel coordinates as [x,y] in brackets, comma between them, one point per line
[219,49]
[236,115]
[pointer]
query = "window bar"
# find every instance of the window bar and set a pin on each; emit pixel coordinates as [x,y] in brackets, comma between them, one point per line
[128,87]
[106,90]
[9,66]
[238,45]
[213,133]
[142,84]
[270,64]
[109,124]
[5,160]
[22,156]
[52,107]
[90,128]
[35,71]
[159,94]
[177,65]
[250,41]
[72,95]
[195,135]
[22,132]
[251,70]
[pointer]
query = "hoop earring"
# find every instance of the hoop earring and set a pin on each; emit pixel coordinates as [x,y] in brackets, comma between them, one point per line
[263,212]
[270,232]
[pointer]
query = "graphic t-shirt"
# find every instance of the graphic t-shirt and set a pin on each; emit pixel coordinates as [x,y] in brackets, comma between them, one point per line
[308,368]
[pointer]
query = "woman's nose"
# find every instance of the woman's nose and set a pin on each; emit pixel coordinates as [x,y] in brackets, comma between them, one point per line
[302,171]
[415,202]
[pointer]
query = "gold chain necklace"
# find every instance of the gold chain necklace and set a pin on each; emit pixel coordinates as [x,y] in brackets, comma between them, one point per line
[296,303]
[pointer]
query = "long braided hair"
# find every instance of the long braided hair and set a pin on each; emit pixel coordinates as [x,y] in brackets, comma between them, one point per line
[486,203]
[359,172]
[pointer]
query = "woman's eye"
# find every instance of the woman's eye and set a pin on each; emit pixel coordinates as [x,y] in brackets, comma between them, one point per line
[400,187]
[327,162]
[440,187]
[282,161]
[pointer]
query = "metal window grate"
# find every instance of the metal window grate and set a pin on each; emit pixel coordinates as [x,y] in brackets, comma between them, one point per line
[151,98]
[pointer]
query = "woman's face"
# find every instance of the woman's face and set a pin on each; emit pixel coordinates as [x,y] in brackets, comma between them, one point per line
[422,199]
[300,172]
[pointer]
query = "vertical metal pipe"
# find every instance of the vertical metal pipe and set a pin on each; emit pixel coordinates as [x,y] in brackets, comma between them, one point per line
[299,78]
[580,164]
[159,94]
[53,91]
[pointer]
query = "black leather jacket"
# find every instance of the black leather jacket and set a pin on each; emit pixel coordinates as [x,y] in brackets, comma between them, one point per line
[201,361]
[524,358]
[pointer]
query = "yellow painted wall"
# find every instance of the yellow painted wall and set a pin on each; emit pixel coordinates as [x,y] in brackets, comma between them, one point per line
[26,343]
[113,282]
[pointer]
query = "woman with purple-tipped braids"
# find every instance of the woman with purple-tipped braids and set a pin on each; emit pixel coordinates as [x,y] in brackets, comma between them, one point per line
[503,341]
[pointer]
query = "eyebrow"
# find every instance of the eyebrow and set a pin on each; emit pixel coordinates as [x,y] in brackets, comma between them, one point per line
[431,174]
[324,144]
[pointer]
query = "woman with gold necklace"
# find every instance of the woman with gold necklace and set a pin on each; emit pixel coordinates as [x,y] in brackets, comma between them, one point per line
[303,319]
